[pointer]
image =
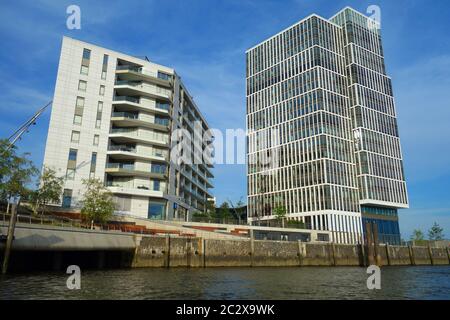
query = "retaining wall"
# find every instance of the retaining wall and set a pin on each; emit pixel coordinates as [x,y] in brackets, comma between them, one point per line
[197,252]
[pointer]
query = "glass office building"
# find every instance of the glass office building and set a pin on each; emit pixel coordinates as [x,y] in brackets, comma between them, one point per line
[320,107]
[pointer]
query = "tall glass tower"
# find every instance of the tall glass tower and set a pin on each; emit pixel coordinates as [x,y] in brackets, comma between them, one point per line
[323,142]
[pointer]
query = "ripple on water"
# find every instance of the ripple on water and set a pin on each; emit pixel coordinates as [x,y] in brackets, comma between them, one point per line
[234,283]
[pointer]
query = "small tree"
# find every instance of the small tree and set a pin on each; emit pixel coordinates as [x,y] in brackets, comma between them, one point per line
[417,235]
[16,172]
[210,208]
[280,213]
[224,211]
[436,232]
[49,190]
[97,204]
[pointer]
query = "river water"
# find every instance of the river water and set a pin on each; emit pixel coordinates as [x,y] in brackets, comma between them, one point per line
[233,283]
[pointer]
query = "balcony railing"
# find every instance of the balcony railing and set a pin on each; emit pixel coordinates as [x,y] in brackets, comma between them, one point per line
[125,166]
[125,148]
[144,86]
[143,135]
[143,71]
[129,131]
[122,148]
[126,98]
[162,106]
[162,122]
[127,115]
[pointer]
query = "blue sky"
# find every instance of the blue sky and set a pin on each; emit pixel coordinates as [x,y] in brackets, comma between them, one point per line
[205,41]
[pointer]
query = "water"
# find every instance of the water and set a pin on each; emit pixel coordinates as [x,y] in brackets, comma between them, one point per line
[234,283]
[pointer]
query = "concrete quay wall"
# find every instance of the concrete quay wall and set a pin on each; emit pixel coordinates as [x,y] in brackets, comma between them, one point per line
[198,252]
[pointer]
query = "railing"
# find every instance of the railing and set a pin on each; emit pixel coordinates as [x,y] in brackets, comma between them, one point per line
[125,166]
[127,115]
[143,135]
[162,122]
[133,186]
[43,220]
[125,130]
[138,70]
[143,71]
[157,170]
[218,220]
[126,98]
[144,86]
[125,148]
[282,224]
[162,106]
[122,148]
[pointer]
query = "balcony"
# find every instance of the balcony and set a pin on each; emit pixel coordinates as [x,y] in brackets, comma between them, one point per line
[131,88]
[134,191]
[135,73]
[127,170]
[129,119]
[124,152]
[130,103]
[126,135]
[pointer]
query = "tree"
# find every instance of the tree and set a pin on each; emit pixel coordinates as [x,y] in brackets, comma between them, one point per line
[436,232]
[417,235]
[210,208]
[237,209]
[224,211]
[97,204]
[16,172]
[49,190]
[280,213]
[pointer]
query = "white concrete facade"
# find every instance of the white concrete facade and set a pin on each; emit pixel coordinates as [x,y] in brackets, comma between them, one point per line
[113,117]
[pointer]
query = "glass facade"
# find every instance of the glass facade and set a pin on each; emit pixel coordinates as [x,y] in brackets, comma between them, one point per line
[320,103]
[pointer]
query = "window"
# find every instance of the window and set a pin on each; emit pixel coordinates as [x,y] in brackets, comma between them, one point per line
[158,168]
[93,163]
[86,54]
[84,70]
[82,85]
[77,119]
[164,76]
[85,61]
[156,185]
[70,174]
[105,66]
[67,198]
[162,121]
[80,102]
[102,90]
[98,120]
[75,136]
[73,155]
[96,139]
[156,210]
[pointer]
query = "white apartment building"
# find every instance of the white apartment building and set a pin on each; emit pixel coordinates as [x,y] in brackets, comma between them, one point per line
[319,101]
[114,117]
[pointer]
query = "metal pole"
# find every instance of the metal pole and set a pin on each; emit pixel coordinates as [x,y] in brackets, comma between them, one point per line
[10,237]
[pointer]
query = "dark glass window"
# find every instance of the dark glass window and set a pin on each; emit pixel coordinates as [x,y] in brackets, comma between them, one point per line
[73,155]
[86,54]
[156,211]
